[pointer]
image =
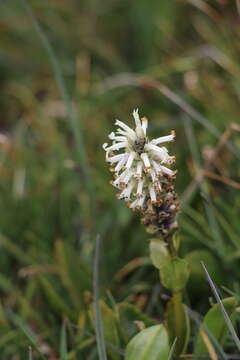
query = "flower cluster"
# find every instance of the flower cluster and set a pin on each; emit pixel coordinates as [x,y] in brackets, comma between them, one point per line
[142,169]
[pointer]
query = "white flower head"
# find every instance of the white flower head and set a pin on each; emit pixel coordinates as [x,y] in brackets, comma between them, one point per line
[139,165]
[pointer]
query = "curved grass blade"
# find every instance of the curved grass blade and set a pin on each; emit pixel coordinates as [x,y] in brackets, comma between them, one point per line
[63,342]
[171,352]
[80,148]
[214,341]
[30,357]
[98,320]
[226,317]
[27,332]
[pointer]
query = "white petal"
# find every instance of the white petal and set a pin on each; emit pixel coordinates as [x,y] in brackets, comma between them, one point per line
[117,146]
[158,186]
[136,118]
[125,127]
[134,204]
[126,193]
[126,178]
[156,167]
[144,125]
[152,194]
[130,159]
[123,174]
[163,139]
[139,169]
[153,175]
[141,201]
[121,163]
[167,170]
[121,138]
[115,183]
[119,178]
[120,131]
[116,158]
[160,152]
[140,188]
[146,161]
[112,135]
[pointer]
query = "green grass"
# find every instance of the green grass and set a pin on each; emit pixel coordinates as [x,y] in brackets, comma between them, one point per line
[62,66]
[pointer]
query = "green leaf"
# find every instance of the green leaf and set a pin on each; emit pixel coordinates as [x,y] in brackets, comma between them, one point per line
[215,324]
[159,253]
[178,324]
[150,344]
[174,275]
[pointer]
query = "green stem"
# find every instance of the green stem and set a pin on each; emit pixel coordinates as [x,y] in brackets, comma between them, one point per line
[177,308]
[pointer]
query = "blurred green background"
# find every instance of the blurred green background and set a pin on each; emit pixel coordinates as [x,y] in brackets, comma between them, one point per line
[68,69]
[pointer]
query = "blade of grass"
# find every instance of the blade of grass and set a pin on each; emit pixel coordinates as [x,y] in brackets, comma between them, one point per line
[63,342]
[30,357]
[27,332]
[75,126]
[230,292]
[98,319]
[214,341]
[203,186]
[171,352]
[226,317]
[15,250]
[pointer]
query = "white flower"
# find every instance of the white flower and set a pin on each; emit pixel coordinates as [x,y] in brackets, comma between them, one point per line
[142,166]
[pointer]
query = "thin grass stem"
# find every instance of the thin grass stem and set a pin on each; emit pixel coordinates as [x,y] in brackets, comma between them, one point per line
[98,319]
[225,314]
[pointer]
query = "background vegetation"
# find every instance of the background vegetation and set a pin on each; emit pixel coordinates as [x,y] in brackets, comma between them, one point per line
[67,70]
